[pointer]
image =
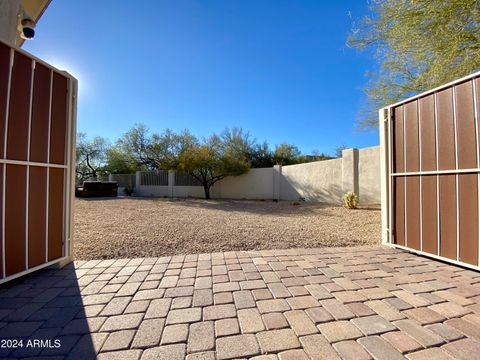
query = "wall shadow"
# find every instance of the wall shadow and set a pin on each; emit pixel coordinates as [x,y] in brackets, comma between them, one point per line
[45,311]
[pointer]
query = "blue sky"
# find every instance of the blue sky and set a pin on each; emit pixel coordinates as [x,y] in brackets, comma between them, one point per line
[279,69]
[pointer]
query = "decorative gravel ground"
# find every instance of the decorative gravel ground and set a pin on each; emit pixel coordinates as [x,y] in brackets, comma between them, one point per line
[141,227]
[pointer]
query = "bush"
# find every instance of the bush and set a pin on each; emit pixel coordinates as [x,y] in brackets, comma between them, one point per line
[350,200]
[128,190]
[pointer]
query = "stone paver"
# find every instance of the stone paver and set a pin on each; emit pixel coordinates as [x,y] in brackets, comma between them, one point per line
[238,346]
[201,337]
[373,325]
[174,334]
[277,340]
[334,303]
[339,330]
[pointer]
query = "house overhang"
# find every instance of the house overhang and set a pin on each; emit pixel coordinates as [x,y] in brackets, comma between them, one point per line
[11,14]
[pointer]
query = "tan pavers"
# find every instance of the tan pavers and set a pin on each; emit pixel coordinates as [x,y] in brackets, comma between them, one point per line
[421,334]
[275,321]
[401,341]
[118,340]
[429,354]
[466,327]
[238,346]
[450,309]
[337,309]
[351,350]
[243,299]
[216,312]
[300,323]
[424,316]
[373,325]
[293,355]
[379,349]
[318,348]
[339,330]
[184,316]
[122,322]
[201,337]
[273,305]
[226,327]
[158,308]
[165,352]
[174,334]
[120,355]
[204,355]
[277,304]
[385,310]
[250,321]
[149,333]
[277,340]
[302,302]
[463,349]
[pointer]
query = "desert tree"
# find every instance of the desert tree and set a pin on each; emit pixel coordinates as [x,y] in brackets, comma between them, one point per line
[90,157]
[418,45]
[211,161]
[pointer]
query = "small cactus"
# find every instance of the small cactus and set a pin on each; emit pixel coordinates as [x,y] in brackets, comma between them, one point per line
[350,200]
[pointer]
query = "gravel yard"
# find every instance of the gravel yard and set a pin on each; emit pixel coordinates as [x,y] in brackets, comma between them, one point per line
[140,227]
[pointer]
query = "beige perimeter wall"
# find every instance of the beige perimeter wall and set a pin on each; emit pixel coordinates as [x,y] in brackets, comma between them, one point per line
[321,181]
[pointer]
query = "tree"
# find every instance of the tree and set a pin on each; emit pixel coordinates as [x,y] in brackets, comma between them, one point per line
[260,156]
[120,163]
[211,161]
[152,151]
[419,44]
[339,150]
[286,154]
[91,157]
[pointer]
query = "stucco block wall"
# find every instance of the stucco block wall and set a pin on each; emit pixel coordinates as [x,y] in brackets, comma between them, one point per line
[316,181]
[255,184]
[325,181]
[369,175]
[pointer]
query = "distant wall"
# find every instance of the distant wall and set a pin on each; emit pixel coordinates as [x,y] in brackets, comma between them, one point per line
[369,175]
[255,184]
[325,181]
[316,181]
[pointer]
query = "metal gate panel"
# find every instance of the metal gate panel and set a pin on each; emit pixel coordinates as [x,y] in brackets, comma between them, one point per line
[37,217]
[15,219]
[429,214]
[432,163]
[426,118]
[468,218]
[19,108]
[37,159]
[448,216]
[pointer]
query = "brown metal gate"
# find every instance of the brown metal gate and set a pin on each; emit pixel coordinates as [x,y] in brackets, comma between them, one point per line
[37,136]
[433,172]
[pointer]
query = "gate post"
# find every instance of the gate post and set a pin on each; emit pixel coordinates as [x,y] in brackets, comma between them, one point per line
[383,119]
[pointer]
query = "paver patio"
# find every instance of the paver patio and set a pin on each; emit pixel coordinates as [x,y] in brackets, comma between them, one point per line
[327,303]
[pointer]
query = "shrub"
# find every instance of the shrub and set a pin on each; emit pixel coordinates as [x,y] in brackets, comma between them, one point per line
[350,200]
[128,190]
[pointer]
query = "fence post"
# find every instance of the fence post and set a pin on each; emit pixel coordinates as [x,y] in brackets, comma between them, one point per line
[383,118]
[138,183]
[171,182]
[350,171]
[277,175]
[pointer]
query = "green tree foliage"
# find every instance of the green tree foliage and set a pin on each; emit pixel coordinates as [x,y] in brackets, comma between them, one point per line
[212,160]
[260,156]
[141,149]
[286,154]
[90,157]
[419,44]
